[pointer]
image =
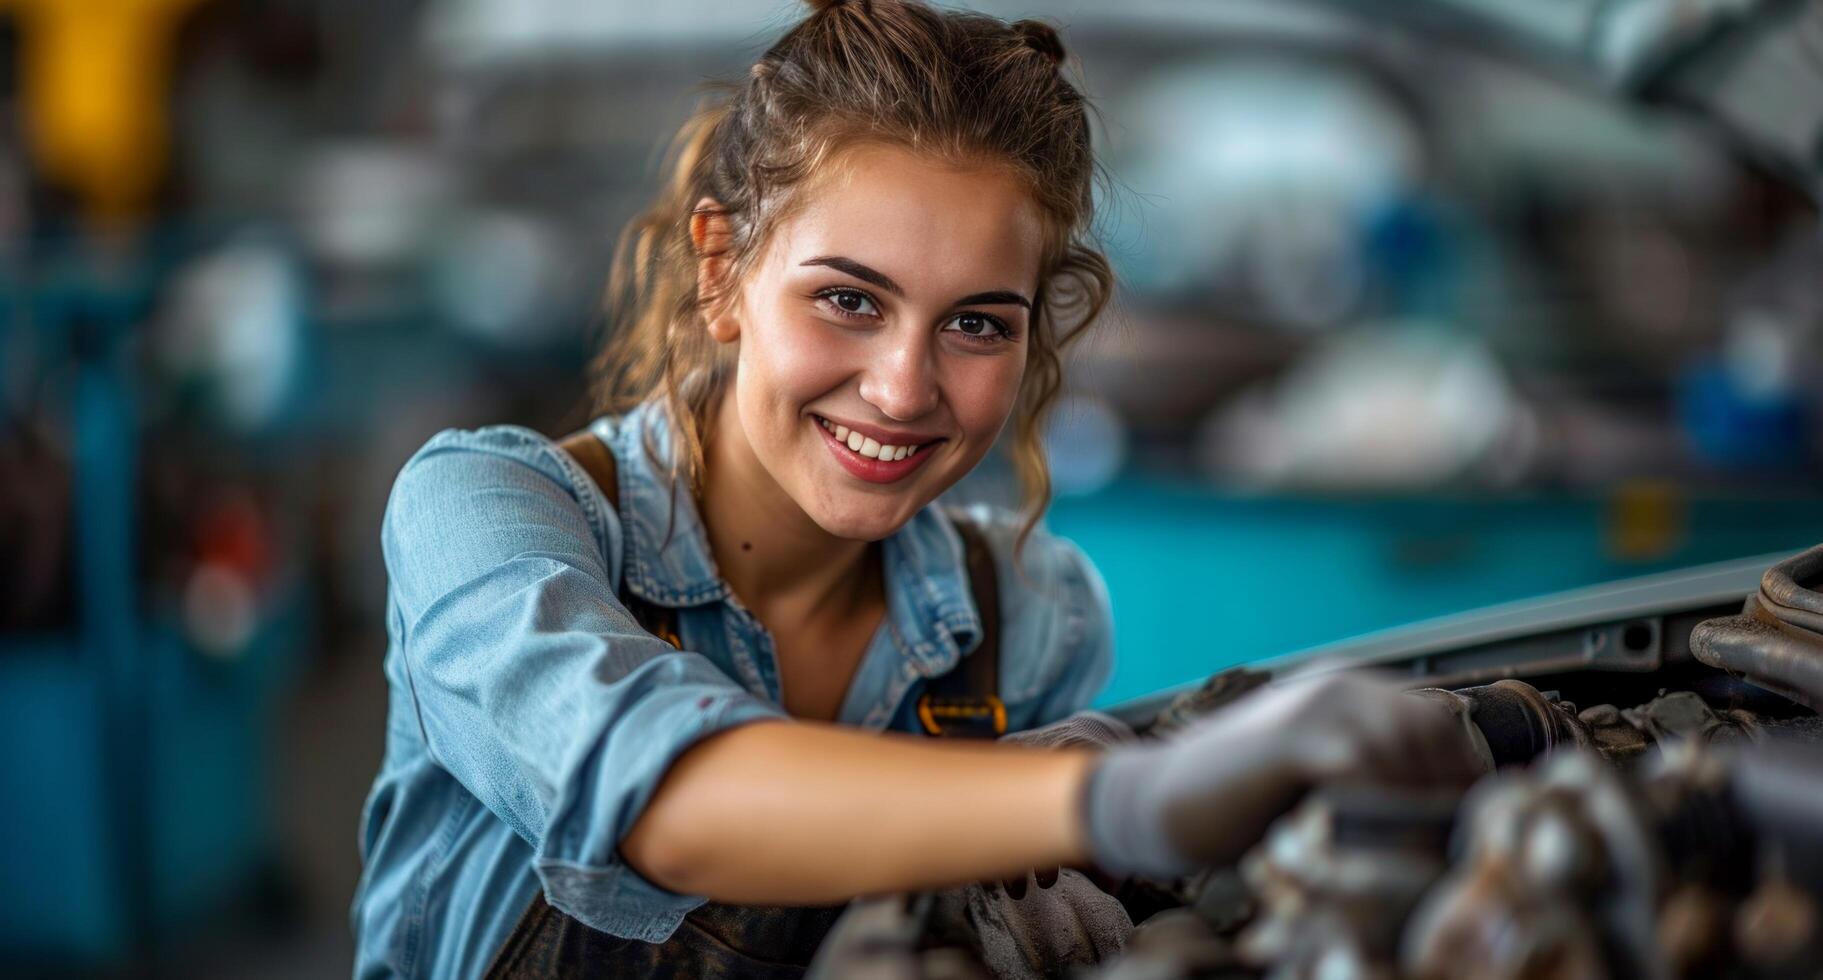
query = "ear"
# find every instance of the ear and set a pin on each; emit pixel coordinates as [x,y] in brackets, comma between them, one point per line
[711,234]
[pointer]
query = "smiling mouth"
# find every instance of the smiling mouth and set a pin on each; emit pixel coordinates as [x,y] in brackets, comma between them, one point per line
[865,447]
[866,459]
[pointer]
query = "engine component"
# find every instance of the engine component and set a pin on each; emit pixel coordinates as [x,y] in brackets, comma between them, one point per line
[1218,690]
[1612,734]
[1777,640]
[1704,863]
[1681,714]
[1336,878]
[1559,878]
[1511,721]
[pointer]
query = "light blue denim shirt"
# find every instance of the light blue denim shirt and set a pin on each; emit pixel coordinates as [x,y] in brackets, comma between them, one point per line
[530,718]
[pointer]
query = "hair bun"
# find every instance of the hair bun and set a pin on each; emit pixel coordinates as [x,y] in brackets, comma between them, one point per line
[1040,37]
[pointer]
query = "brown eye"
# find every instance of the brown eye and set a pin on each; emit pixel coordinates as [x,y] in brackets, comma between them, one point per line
[980,328]
[849,302]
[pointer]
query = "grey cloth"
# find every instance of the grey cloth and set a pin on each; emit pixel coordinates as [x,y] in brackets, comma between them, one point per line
[1084,728]
[1050,930]
[1045,934]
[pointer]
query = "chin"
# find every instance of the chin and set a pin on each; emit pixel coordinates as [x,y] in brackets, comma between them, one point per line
[862,524]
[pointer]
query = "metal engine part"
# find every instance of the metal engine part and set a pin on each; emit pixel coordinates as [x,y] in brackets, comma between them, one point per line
[1777,640]
[1336,879]
[1510,722]
[1559,878]
[1703,863]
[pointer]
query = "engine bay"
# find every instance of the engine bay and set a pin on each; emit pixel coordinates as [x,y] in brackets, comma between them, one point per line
[1654,810]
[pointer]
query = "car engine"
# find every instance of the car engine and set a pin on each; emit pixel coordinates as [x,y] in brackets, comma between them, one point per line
[1665,823]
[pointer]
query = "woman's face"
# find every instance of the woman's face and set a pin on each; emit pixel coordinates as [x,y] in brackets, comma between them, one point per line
[883,335]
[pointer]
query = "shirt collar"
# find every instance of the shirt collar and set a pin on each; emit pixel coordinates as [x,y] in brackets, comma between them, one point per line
[927,590]
[666,557]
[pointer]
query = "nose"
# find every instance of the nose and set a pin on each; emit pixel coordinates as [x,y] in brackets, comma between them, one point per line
[901,379]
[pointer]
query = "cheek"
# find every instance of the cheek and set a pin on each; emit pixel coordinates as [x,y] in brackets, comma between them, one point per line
[982,393]
[788,359]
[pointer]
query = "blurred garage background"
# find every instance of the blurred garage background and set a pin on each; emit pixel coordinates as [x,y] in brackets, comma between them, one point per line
[1425,305]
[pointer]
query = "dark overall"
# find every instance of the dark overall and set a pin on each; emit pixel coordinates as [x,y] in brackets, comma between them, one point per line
[718,940]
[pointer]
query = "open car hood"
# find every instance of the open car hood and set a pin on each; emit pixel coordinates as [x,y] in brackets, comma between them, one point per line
[1634,625]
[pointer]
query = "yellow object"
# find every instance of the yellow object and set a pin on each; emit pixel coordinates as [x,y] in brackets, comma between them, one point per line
[1646,520]
[95,83]
[929,711]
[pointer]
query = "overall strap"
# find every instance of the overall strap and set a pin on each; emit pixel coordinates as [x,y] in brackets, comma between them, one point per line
[964,703]
[597,460]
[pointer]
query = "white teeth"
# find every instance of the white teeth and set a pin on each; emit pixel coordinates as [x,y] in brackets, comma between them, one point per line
[870,448]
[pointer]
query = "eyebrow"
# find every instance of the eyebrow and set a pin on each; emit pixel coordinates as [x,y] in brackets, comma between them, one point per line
[992,297]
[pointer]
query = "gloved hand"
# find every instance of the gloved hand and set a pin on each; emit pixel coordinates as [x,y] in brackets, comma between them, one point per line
[1202,796]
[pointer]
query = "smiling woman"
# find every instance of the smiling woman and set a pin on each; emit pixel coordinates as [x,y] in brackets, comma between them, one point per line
[853,151]
[893,302]
[660,696]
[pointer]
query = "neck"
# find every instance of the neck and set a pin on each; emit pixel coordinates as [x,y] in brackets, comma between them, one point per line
[770,552]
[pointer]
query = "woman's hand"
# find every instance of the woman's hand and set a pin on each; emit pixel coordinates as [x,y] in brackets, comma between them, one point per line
[1207,793]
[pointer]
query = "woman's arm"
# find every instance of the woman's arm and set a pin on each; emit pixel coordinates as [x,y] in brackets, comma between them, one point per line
[810,813]
[794,812]
[858,812]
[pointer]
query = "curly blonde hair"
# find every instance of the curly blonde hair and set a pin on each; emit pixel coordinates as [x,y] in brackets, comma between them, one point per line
[960,87]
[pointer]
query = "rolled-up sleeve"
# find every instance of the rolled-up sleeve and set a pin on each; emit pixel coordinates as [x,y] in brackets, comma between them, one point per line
[534,686]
